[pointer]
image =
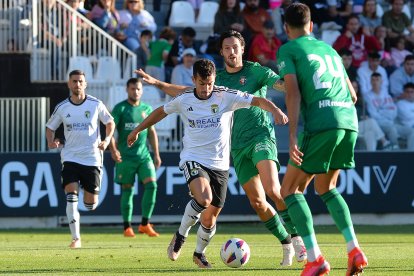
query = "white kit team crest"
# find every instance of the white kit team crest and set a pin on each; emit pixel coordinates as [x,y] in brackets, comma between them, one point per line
[214,108]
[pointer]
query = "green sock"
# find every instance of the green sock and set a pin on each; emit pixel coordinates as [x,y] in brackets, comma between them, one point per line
[340,213]
[148,199]
[275,226]
[127,204]
[290,227]
[301,216]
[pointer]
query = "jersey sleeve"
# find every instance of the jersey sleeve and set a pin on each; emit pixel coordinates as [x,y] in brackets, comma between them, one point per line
[268,76]
[239,99]
[173,106]
[116,114]
[285,62]
[104,116]
[55,120]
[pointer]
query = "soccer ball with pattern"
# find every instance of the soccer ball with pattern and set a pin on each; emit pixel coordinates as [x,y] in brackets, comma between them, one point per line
[235,252]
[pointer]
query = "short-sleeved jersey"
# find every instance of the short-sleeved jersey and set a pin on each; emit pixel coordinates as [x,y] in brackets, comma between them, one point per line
[207,125]
[157,48]
[126,118]
[326,101]
[81,129]
[252,124]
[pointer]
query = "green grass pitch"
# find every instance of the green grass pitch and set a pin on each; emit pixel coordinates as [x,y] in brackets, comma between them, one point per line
[390,250]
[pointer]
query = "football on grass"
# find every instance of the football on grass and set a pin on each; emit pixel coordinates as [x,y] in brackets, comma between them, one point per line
[235,253]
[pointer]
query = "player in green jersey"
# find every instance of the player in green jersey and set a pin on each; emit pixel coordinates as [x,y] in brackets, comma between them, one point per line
[131,161]
[318,88]
[253,142]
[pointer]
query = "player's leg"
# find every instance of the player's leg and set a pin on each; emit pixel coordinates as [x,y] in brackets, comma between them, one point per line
[125,176]
[248,176]
[70,185]
[325,185]
[147,173]
[207,229]
[198,182]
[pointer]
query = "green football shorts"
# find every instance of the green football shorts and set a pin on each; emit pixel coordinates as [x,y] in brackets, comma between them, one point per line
[327,150]
[245,159]
[126,171]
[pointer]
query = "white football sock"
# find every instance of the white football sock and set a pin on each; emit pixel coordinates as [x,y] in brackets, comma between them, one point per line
[73,215]
[204,236]
[191,216]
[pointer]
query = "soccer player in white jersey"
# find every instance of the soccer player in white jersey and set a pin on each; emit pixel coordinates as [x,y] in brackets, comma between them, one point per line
[207,113]
[82,154]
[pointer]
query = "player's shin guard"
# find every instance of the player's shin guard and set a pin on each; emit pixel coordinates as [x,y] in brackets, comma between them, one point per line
[275,226]
[339,211]
[191,216]
[149,199]
[204,236]
[73,215]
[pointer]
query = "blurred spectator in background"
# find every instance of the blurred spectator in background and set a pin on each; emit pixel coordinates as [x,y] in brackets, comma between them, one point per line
[159,50]
[278,17]
[398,51]
[368,18]
[228,17]
[254,17]
[405,106]
[105,16]
[387,62]
[323,11]
[78,6]
[404,74]
[368,128]
[264,47]
[356,41]
[342,8]
[367,69]
[183,72]
[382,108]
[143,52]
[134,19]
[185,40]
[351,70]
[398,23]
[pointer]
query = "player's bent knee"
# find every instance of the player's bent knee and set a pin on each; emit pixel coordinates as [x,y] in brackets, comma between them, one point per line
[258,204]
[91,206]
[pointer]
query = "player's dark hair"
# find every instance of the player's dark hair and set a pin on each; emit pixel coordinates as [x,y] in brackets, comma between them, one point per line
[297,15]
[375,74]
[204,68]
[408,85]
[408,58]
[231,33]
[76,72]
[133,81]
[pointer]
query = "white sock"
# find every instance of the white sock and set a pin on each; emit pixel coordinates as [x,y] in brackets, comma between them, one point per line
[191,216]
[313,252]
[204,236]
[73,215]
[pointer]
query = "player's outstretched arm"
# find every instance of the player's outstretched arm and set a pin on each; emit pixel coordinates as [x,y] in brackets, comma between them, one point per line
[293,99]
[155,116]
[278,115]
[168,88]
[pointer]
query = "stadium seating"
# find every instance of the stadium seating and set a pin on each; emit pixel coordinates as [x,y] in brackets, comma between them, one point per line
[108,69]
[207,12]
[81,63]
[182,14]
[116,94]
[329,36]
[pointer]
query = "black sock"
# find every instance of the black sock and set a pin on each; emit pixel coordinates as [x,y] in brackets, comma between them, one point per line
[286,241]
[144,221]
[127,224]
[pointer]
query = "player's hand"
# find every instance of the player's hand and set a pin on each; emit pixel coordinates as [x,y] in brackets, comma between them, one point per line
[157,161]
[54,145]
[280,117]
[132,137]
[116,156]
[146,77]
[103,145]
[295,154]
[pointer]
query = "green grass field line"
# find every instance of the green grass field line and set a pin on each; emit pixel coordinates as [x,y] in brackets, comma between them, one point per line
[390,250]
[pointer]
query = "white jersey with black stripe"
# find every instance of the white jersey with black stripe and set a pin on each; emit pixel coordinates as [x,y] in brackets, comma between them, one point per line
[207,124]
[81,127]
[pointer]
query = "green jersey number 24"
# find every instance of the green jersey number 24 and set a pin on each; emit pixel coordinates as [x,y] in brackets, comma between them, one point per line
[326,64]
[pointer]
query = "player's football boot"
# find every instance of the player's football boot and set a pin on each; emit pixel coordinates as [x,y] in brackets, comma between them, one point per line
[300,249]
[201,260]
[357,261]
[317,268]
[129,233]
[174,248]
[288,254]
[147,229]
[76,243]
